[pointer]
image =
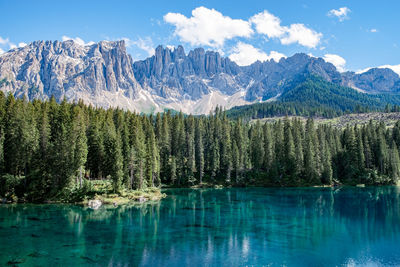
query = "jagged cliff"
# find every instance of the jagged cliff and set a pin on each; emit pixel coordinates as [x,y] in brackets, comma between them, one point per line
[66,69]
[103,74]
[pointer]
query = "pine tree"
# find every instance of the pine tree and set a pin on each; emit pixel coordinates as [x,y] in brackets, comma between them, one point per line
[21,137]
[40,179]
[199,150]
[113,154]
[299,153]
[190,165]
[268,149]
[165,147]
[257,149]
[225,148]
[152,157]
[81,149]
[310,171]
[63,146]
[360,159]
[140,154]
[394,171]
[289,150]
[382,153]
[96,152]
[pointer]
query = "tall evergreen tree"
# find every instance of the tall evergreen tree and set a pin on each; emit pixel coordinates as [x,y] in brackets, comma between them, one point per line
[199,150]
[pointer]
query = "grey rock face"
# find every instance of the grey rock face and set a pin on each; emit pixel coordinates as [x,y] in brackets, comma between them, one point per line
[375,80]
[104,74]
[46,68]
[177,75]
[270,77]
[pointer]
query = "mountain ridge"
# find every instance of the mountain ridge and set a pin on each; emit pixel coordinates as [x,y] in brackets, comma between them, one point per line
[104,74]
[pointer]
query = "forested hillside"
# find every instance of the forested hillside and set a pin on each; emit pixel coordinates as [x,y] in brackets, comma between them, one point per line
[313,96]
[47,148]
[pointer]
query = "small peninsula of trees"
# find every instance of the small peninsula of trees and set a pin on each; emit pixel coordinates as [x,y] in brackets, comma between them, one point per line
[47,148]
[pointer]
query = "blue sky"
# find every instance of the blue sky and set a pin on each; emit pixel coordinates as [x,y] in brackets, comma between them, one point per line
[353,35]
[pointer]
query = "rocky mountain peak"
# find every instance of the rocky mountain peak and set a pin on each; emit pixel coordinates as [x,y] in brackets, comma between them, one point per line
[104,74]
[67,69]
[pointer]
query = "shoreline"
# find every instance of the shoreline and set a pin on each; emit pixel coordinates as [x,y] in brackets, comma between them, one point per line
[151,195]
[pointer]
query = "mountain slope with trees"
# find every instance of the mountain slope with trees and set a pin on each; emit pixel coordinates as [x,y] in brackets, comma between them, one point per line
[313,96]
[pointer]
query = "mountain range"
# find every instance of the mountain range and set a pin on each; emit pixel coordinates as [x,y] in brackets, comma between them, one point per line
[104,74]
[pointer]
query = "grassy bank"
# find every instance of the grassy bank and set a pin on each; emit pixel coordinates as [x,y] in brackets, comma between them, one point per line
[102,190]
[93,190]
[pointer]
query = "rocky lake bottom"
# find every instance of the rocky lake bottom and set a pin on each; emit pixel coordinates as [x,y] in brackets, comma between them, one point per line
[211,227]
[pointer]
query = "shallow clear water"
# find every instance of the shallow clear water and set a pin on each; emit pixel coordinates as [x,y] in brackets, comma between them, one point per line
[228,227]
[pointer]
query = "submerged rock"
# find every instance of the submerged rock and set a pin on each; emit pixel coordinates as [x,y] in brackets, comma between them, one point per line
[94,204]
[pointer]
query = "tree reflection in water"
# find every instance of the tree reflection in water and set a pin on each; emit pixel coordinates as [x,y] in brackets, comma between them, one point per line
[238,226]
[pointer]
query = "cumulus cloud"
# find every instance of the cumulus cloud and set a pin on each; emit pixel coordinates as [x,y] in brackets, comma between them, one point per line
[336,60]
[6,43]
[341,13]
[245,54]
[211,28]
[373,30]
[145,44]
[298,33]
[207,27]
[77,40]
[22,44]
[270,25]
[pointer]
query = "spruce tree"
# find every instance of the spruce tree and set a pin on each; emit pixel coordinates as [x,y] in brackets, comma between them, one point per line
[394,171]
[257,148]
[113,154]
[310,171]
[199,149]
[80,146]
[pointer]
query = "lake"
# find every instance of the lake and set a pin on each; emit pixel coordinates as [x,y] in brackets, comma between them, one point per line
[212,227]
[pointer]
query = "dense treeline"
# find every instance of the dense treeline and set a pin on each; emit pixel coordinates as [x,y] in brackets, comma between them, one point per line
[313,96]
[47,148]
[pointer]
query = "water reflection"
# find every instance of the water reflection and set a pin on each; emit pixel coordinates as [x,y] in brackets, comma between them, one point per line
[257,226]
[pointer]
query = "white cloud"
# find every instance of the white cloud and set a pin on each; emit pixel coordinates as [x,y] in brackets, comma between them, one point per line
[341,13]
[395,68]
[298,33]
[22,44]
[1,51]
[207,27]
[170,47]
[77,40]
[337,61]
[270,25]
[373,30]
[245,54]
[4,41]
[6,44]
[145,44]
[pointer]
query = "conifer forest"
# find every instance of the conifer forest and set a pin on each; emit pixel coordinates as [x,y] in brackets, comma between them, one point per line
[47,148]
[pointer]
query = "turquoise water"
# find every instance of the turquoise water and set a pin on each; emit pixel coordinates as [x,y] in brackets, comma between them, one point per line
[228,227]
